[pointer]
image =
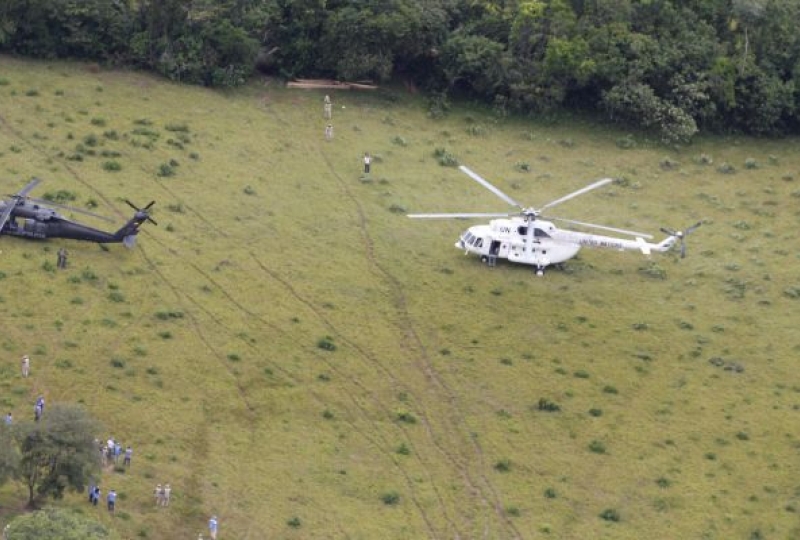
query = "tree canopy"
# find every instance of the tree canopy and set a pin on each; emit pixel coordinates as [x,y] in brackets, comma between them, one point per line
[674,66]
[57,453]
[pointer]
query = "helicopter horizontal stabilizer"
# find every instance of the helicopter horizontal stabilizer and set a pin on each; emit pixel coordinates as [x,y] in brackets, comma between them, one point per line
[644,246]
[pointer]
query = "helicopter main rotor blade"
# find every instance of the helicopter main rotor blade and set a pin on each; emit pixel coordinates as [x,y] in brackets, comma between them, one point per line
[485,183]
[603,227]
[692,228]
[28,188]
[9,207]
[456,216]
[71,208]
[581,191]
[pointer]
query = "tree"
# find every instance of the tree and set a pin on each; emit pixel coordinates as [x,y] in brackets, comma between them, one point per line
[57,524]
[58,452]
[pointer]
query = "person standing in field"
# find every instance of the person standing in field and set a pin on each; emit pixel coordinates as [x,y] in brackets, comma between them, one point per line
[367,162]
[26,366]
[167,493]
[329,132]
[212,527]
[112,500]
[328,108]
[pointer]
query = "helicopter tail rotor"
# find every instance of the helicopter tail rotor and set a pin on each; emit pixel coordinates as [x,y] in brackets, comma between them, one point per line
[681,235]
[145,211]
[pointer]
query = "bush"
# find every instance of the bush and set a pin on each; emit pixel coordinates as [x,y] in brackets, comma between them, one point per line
[609,514]
[445,158]
[326,344]
[597,447]
[547,406]
[112,166]
[390,498]
[503,465]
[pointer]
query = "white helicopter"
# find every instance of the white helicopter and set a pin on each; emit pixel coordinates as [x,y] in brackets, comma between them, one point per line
[522,237]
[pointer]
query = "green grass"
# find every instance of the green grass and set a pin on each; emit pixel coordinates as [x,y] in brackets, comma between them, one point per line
[289,287]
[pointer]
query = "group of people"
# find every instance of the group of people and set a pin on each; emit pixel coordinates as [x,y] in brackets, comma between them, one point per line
[162,494]
[95,494]
[328,113]
[111,451]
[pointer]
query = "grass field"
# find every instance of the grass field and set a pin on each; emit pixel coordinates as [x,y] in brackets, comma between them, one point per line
[296,356]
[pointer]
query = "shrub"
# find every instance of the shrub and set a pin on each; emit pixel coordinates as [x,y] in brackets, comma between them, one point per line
[597,447]
[750,163]
[550,493]
[547,406]
[390,498]
[522,166]
[112,166]
[177,127]
[609,514]
[445,158]
[326,344]
[726,168]
[596,412]
[406,417]
[165,170]
[294,522]
[503,465]
[117,363]
[652,270]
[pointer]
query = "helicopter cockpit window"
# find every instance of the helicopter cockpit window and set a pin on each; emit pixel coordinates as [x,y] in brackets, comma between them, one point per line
[539,233]
[479,243]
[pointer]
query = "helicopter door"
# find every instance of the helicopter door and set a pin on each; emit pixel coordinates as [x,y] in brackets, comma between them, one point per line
[494,249]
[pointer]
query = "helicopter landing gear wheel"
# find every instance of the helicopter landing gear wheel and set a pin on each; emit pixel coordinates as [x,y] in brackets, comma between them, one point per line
[540,271]
[484,259]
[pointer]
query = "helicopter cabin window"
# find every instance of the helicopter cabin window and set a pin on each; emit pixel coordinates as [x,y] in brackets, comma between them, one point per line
[539,233]
[479,242]
[522,230]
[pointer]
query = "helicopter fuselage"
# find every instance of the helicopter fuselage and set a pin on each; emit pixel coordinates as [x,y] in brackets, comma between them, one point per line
[540,243]
[519,241]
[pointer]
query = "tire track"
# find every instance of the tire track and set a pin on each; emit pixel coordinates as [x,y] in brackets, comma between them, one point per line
[372,361]
[407,327]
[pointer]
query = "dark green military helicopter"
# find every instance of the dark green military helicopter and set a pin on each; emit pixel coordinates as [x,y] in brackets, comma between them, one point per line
[27,217]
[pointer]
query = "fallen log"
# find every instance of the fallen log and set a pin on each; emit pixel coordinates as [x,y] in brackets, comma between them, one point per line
[327,84]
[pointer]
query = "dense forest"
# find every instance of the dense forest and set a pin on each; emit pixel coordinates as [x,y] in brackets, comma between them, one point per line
[672,66]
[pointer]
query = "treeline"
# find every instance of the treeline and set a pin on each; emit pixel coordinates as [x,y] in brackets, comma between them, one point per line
[674,66]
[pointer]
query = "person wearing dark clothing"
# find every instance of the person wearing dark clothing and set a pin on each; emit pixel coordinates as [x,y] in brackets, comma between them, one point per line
[62,258]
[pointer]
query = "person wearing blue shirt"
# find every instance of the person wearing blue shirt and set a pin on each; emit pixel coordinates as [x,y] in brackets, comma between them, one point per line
[111,499]
[9,419]
[212,527]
